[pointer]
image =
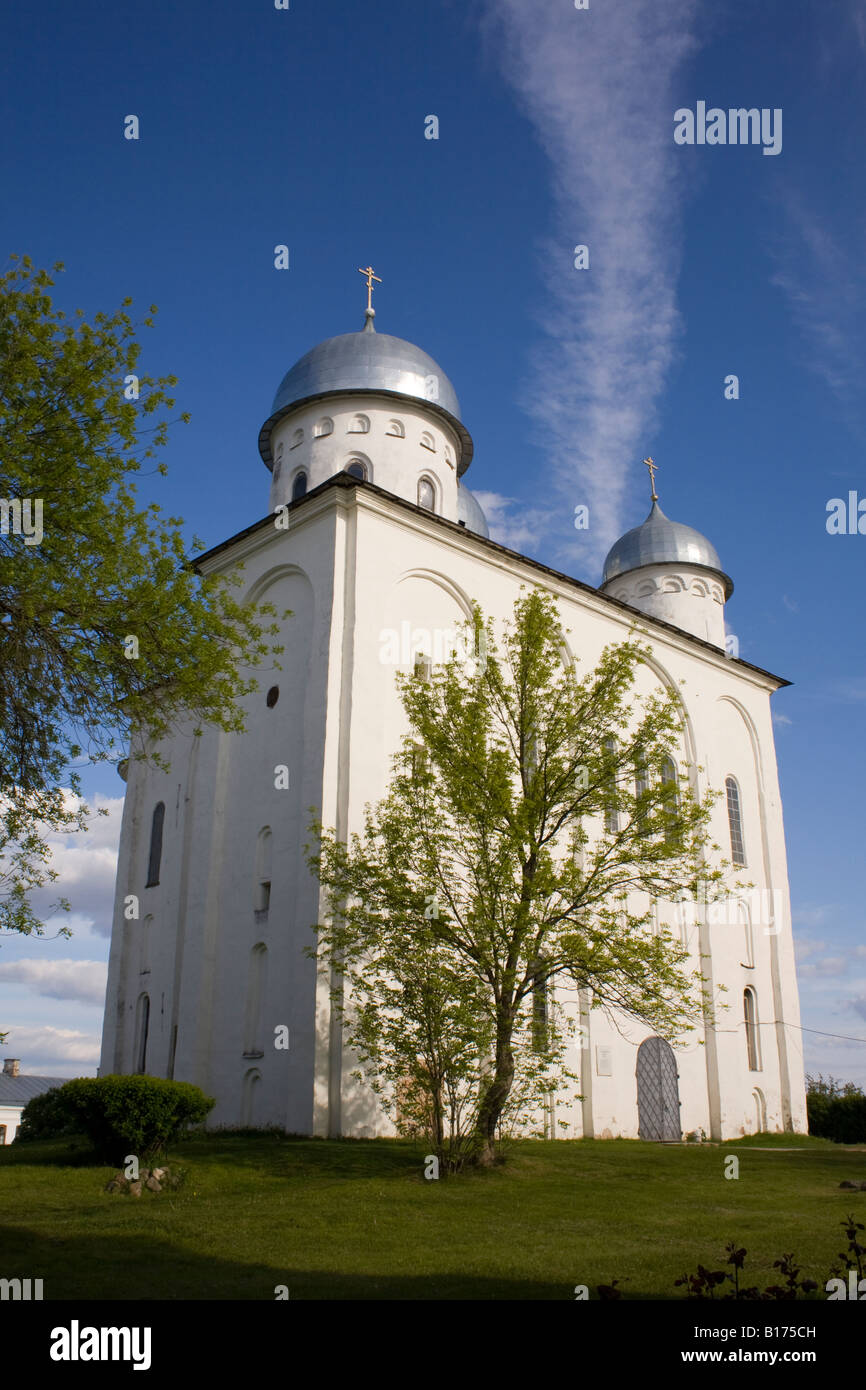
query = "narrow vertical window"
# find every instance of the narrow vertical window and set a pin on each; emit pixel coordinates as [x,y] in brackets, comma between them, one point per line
[641,787]
[427,495]
[735,822]
[262,890]
[299,486]
[539,1010]
[670,791]
[155,856]
[611,815]
[141,1033]
[750,1009]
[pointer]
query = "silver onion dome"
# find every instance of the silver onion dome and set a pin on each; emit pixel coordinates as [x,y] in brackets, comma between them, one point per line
[660,541]
[368,363]
[470,512]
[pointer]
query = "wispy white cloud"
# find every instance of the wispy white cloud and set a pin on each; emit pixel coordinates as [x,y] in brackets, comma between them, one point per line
[819,270]
[511,523]
[598,86]
[86,863]
[46,1051]
[82,980]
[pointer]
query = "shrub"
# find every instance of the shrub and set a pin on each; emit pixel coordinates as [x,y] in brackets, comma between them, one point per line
[134,1114]
[49,1116]
[836,1111]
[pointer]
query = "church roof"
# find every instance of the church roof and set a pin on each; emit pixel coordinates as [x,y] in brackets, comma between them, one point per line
[368,363]
[347,481]
[659,541]
[17,1090]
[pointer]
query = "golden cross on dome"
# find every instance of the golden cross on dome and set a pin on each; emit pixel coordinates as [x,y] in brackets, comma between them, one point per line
[653,469]
[368,271]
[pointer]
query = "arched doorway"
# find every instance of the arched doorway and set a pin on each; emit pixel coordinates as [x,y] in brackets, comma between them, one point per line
[658,1095]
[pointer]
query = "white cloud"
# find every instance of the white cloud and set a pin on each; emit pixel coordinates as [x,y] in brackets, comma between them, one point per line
[82,980]
[511,523]
[599,89]
[86,863]
[48,1051]
[781,718]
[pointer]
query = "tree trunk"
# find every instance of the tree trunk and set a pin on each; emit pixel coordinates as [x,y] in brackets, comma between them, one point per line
[493,1101]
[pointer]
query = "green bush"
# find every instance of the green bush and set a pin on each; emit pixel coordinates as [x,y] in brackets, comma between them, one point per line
[49,1116]
[836,1110]
[134,1114]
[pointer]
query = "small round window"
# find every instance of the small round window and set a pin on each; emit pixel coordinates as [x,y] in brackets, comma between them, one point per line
[272,696]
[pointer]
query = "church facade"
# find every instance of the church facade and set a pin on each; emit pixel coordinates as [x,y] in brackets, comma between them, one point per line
[378,548]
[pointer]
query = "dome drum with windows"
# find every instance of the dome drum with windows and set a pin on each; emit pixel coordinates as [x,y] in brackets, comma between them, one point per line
[379,408]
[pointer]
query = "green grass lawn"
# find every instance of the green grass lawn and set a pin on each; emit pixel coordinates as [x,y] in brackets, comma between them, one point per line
[356,1219]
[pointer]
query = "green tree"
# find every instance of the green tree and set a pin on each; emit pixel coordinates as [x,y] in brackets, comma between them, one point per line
[108,634]
[541,805]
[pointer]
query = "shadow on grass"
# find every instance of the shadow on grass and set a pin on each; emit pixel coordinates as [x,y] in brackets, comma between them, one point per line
[141,1268]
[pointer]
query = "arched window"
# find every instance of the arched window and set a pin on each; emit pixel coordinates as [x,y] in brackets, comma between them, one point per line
[323,427]
[427,495]
[141,1030]
[262,891]
[611,815]
[427,441]
[359,424]
[255,995]
[735,822]
[299,486]
[396,428]
[357,469]
[750,1010]
[155,857]
[297,438]
[278,463]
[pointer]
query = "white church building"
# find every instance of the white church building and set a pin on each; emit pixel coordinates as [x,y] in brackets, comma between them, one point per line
[366,446]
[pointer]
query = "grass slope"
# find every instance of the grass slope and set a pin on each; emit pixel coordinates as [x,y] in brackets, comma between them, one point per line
[356,1219]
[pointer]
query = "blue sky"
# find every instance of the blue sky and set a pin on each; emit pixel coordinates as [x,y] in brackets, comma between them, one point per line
[305,127]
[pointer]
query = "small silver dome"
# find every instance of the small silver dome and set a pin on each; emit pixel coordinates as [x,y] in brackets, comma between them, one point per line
[469,511]
[366,363]
[658,541]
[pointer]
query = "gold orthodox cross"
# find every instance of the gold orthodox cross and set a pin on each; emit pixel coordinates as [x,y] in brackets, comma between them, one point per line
[370,278]
[653,469]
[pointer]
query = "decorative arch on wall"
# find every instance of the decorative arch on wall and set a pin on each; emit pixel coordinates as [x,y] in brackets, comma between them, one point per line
[323,427]
[262,882]
[250,1094]
[745,919]
[273,576]
[760,1110]
[297,438]
[673,584]
[646,587]
[359,424]
[396,429]
[255,999]
[428,441]
[700,587]
[453,590]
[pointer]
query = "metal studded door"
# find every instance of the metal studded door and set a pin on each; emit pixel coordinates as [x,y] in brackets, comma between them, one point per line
[658,1096]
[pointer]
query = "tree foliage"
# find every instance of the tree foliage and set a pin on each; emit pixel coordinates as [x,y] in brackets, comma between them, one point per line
[530,822]
[105,570]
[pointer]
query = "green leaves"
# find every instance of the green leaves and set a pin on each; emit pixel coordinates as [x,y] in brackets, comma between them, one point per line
[528,822]
[106,568]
